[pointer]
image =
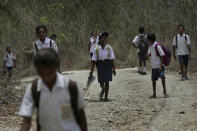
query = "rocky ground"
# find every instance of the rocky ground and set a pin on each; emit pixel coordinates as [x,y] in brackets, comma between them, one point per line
[129,108]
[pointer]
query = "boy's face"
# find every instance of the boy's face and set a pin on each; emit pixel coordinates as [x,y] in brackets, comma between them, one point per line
[180,30]
[9,50]
[104,40]
[94,33]
[48,74]
[150,42]
[42,33]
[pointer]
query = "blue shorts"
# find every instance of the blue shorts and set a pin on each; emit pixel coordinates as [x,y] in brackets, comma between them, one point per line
[156,74]
[142,57]
[183,59]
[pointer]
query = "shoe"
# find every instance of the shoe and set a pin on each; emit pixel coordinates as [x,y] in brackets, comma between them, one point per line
[186,78]
[106,100]
[182,79]
[139,71]
[101,96]
[143,73]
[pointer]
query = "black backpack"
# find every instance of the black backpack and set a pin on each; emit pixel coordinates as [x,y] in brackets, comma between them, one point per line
[73,94]
[143,44]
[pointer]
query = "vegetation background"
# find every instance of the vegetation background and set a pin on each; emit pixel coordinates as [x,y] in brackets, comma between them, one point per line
[73,21]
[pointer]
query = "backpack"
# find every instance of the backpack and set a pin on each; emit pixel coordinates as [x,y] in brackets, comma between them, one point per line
[176,38]
[167,57]
[73,94]
[108,49]
[37,47]
[143,44]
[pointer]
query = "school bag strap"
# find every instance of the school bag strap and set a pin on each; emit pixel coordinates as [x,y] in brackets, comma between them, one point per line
[50,43]
[72,87]
[36,99]
[36,47]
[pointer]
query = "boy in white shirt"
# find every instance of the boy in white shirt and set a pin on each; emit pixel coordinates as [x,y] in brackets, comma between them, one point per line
[158,70]
[181,45]
[9,60]
[58,100]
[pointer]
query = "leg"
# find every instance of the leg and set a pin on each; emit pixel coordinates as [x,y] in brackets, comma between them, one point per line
[102,90]
[181,61]
[154,89]
[144,64]
[182,70]
[186,60]
[140,63]
[164,87]
[106,90]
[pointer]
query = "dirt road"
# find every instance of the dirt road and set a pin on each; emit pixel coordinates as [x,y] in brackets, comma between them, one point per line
[130,109]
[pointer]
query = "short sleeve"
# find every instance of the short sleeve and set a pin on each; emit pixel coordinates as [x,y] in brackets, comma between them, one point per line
[111,54]
[174,41]
[149,50]
[161,53]
[91,40]
[94,57]
[136,40]
[54,46]
[27,106]
[81,103]
[188,40]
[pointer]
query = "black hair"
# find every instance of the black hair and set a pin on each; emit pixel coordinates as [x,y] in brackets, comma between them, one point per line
[180,25]
[7,47]
[39,27]
[53,35]
[151,36]
[93,32]
[141,30]
[101,36]
[46,57]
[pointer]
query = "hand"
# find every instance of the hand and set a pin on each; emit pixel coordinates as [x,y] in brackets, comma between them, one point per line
[175,57]
[91,72]
[148,55]
[114,72]
[190,57]
[160,68]
[14,66]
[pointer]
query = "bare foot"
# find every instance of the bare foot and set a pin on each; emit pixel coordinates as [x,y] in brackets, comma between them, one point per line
[152,97]
[165,95]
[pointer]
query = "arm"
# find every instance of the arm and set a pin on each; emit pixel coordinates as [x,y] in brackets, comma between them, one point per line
[133,44]
[4,64]
[82,120]
[174,52]
[26,125]
[92,66]
[89,46]
[114,67]
[189,48]
[14,60]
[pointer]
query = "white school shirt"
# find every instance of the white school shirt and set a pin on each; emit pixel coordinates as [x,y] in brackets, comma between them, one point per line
[136,41]
[103,53]
[93,45]
[9,58]
[55,111]
[46,44]
[182,48]
[155,59]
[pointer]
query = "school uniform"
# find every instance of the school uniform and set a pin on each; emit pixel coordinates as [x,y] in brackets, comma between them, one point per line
[48,43]
[136,41]
[156,62]
[9,58]
[93,45]
[55,110]
[181,42]
[104,63]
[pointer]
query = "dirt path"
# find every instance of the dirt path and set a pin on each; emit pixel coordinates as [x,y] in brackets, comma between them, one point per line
[131,110]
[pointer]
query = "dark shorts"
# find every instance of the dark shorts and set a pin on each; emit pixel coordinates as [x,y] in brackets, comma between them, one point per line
[156,74]
[142,57]
[104,71]
[9,68]
[183,59]
[91,54]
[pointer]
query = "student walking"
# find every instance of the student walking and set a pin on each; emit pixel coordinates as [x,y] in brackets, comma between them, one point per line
[9,61]
[157,60]
[103,57]
[94,39]
[140,43]
[181,45]
[59,103]
[43,41]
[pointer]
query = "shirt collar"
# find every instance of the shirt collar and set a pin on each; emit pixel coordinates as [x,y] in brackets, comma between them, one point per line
[182,35]
[47,40]
[58,84]
[101,46]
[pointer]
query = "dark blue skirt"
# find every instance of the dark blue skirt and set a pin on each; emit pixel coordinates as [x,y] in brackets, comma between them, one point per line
[104,71]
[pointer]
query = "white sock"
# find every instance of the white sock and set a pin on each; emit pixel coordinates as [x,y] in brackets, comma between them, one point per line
[140,69]
[144,69]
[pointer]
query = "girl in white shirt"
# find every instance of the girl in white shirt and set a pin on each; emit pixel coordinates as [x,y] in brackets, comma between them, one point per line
[93,42]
